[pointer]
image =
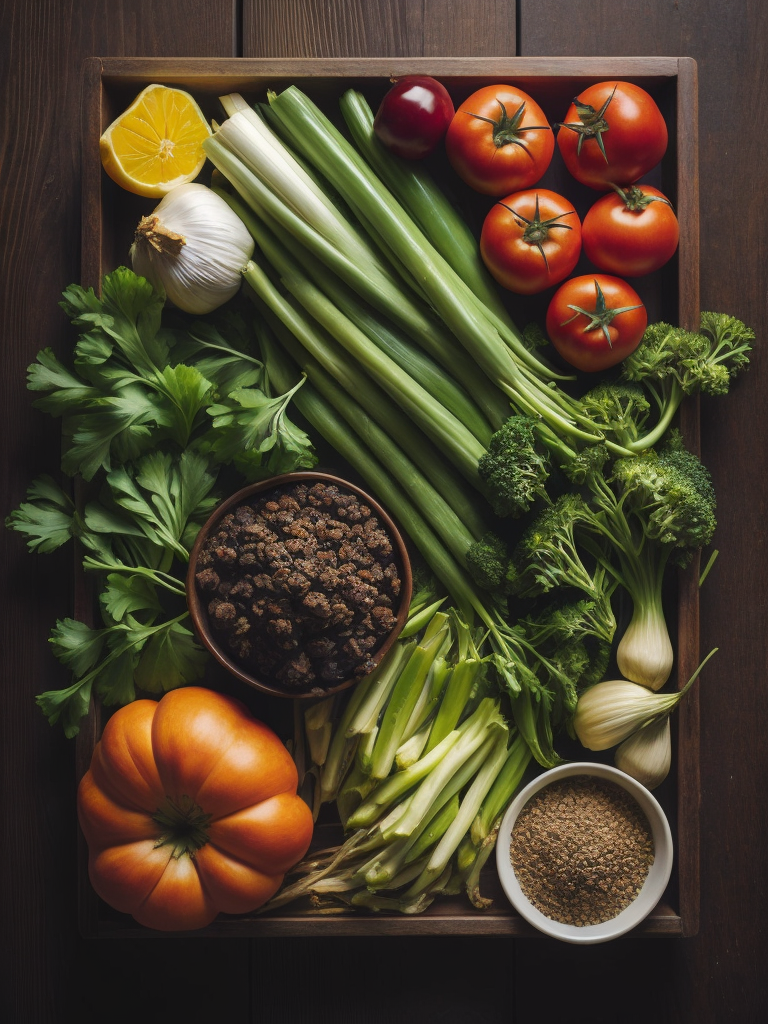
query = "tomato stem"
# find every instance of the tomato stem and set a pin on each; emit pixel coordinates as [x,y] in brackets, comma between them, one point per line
[537,230]
[507,130]
[599,317]
[183,824]
[635,199]
[591,125]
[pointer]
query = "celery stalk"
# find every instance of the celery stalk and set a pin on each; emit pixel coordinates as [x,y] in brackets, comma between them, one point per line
[366,713]
[495,749]
[393,788]
[400,705]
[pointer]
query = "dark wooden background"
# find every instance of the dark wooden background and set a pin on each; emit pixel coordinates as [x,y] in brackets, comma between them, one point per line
[49,973]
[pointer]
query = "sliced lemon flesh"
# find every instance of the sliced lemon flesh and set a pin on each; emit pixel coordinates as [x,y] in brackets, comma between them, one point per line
[157,143]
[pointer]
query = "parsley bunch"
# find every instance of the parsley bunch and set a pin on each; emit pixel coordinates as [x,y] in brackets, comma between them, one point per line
[150,413]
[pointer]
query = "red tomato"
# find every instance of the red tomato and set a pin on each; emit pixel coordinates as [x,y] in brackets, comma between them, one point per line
[595,321]
[499,140]
[414,116]
[613,133]
[631,232]
[189,808]
[531,240]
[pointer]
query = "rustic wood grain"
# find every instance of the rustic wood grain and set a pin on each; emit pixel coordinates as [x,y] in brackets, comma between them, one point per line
[46,969]
[49,973]
[715,976]
[387,28]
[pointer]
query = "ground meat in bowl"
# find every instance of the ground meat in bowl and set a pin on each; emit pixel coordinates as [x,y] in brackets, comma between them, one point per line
[301,585]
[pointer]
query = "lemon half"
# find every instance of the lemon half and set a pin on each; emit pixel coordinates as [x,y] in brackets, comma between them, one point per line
[157,143]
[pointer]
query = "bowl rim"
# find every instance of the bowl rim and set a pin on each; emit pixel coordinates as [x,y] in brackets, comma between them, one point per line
[653,888]
[199,616]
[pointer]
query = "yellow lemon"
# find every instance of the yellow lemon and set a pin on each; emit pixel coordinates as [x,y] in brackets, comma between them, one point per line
[157,143]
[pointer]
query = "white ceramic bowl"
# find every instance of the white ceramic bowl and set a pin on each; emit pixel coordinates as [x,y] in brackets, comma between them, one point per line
[647,898]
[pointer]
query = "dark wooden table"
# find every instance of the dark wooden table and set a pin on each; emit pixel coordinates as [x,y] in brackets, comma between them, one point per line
[49,972]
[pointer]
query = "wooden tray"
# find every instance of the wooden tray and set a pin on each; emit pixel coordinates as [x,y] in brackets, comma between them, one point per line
[109,216]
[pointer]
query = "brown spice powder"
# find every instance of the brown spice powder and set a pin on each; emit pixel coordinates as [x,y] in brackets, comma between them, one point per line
[581,849]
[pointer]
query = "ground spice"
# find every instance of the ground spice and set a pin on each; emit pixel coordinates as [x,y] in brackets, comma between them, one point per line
[581,849]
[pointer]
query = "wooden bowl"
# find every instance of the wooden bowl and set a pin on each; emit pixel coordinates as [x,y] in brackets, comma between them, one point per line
[197,604]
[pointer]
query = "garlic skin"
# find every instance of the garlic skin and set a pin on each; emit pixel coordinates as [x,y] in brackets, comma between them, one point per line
[645,654]
[647,754]
[192,247]
[610,712]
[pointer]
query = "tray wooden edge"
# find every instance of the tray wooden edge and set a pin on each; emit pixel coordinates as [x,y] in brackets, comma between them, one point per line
[664,921]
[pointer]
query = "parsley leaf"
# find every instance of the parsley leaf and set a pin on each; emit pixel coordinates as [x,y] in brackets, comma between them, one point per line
[47,518]
[254,433]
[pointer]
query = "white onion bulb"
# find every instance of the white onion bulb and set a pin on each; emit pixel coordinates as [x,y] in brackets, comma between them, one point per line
[193,247]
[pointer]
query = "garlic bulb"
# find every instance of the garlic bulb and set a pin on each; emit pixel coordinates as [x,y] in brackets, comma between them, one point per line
[647,754]
[192,247]
[645,653]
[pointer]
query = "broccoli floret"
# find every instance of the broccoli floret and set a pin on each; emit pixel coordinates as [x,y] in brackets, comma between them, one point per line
[514,469]
[569,645]
[731,341]
[669,491]
[703,361]
[487,561]
[548,555]
[619,408]
[534,336]
[586,465]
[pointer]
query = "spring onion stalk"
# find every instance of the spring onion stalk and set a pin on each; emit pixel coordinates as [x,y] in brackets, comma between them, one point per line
[431,694]
[341,751]
[418,619]
[336,158]
[519,373]
[318,728]
[507,652]
[457,519]
[411,749]
[515,376]
[450,771]
[247,137]
[413,317]
[409,357]
[407,832]
[413,186]
[367,710]
[462,680]
[448,504]
[502,790]
[434,829]
[365,748]
[398,784]
[415,189]
[444,542]
[436,421]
